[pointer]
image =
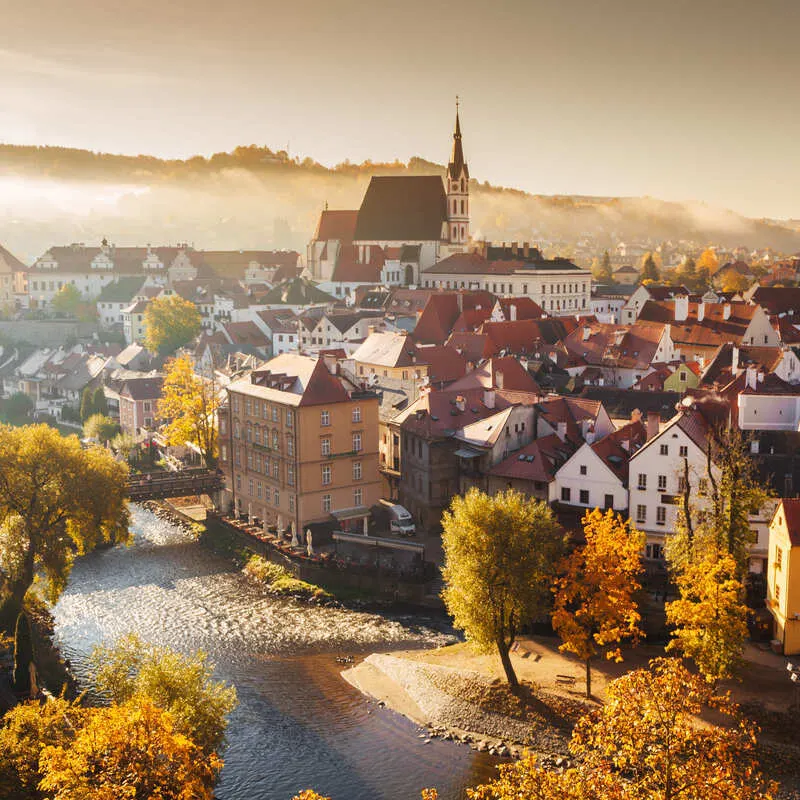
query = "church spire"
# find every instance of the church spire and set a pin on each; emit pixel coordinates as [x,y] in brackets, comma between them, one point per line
[457,163]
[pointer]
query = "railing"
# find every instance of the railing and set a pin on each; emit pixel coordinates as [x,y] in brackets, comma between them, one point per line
[159,485]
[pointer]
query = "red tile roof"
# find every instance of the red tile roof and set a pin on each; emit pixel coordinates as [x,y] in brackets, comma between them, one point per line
[339,225]
[441,312]
[612,451]
[495,371]
[538,461]
[349,270]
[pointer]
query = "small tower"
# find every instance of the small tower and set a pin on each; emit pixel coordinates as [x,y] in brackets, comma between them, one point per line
[457,192]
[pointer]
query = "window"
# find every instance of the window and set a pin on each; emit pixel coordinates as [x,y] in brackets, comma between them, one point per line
[662,483]
[356,470]
[235,404]
[654,551]
[777,593]
[682,377]
[778,557]
[661,515]
[276,469]
[291,502]
[325,418]
[267,493]
[608,501]
[325,446]
[274,413]
[565,494]
[702,486]
[326,503]
[275,441]
[663,450]
[223,452]
[259,489]
[290,446]
[257,435]
[641,484]
[239,483]
[277,498]
[583,469]
[289,418]
[683,451]
[250,487]
[356,442]
[250,459]
[357,411]
[326,474]
[641,513]
[248,406]
[266,411]
[357,496]
[290,474]
[584,497]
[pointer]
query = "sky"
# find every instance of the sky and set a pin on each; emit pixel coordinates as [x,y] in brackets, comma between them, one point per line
[691,100]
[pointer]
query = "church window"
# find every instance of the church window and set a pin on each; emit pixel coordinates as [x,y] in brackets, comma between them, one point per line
[463,187]
[462,236]
[462,206]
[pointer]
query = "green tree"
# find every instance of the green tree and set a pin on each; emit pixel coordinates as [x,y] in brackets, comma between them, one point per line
[687,274]
[17,407]
[68,300]
[56,500]
[189,404]
[649,269]
[99,402]
[500,554]
[87,403]
[595,593]
[100,428]
[170,322]
[180,684]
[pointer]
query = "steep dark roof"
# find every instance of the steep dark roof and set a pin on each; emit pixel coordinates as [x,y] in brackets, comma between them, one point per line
[404,208]
[142,388]
[296,292]
[121,290]
[339,225]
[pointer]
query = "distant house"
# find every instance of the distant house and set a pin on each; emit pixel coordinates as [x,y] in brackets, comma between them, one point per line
[133,324]
[686,376]
[138,399]
[626,275]
[115,297]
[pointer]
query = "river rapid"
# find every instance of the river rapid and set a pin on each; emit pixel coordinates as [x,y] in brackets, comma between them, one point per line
[298,723]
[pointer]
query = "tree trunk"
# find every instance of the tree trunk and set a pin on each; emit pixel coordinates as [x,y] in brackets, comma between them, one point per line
[588,678]
[11,607]
[508,668]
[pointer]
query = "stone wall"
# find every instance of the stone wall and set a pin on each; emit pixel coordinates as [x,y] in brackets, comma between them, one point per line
[45,333]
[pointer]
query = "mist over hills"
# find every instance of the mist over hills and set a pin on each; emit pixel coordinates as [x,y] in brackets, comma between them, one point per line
[254,197]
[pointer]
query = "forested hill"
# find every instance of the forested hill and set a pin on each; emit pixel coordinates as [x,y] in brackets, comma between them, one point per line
[254,197]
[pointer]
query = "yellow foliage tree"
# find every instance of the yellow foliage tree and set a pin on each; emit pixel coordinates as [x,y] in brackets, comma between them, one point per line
[708,262]
[500,551]
[734,282]
[644,744]
[595,605]
[189,404]
[56,500]
[710,616]
[170,322]
[128,752]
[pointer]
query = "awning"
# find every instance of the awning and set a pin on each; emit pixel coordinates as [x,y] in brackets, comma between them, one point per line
[467,452]
[377,541]
[351,513]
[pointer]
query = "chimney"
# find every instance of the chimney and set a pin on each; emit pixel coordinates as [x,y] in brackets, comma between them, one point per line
[735,361]
[526,249]
[636,415]
[701,311]
[461,403]
[587,332]
[561,432]
[460,298]
[653,420]
[498,379]
[726,311]
[370,330]
[367,252]
[512,312]
[681,308]
[589,436]
[750,378]
[514,248]
[488,398]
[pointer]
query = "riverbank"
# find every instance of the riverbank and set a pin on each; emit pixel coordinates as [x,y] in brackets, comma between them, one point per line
[454,693]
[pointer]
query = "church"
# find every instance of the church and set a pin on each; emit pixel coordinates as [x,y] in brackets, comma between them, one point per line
[406,224]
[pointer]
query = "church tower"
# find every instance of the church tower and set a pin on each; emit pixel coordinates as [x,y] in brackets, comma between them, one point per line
[457,193]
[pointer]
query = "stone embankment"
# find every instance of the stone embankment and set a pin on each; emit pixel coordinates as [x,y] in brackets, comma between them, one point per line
[456,705]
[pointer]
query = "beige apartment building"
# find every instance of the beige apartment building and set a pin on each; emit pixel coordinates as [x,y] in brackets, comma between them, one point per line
[299,444]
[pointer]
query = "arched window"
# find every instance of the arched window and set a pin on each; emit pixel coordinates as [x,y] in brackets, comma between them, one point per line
[462,208]
[463,187]
[462,229]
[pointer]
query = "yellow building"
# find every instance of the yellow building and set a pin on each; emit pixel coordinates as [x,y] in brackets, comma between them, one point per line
[783,576]
[299,444]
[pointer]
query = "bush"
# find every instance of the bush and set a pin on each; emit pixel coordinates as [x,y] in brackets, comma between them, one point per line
[276,580]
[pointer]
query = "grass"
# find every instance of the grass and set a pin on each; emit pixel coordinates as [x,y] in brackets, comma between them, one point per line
[279,582]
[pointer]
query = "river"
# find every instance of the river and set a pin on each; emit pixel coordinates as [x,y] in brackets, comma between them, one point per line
[298,723]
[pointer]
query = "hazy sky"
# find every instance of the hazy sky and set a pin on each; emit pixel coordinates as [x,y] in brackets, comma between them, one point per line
[678,99]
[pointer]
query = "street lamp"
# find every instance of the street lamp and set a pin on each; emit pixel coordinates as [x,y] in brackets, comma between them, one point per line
[794,676]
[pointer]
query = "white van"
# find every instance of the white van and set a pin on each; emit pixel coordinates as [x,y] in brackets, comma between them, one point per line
[400,520]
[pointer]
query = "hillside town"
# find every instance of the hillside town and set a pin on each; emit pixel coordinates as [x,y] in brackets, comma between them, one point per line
[398,362]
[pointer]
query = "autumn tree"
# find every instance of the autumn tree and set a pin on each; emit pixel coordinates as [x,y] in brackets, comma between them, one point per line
[500,553]
[170,322]
[707,265]
[732,281]
[189,404]
[180,684]
[131,751]
[56,500]
[650,270]
[710,615]
[595,592]
[101,428]
[644,744]
[67,300]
